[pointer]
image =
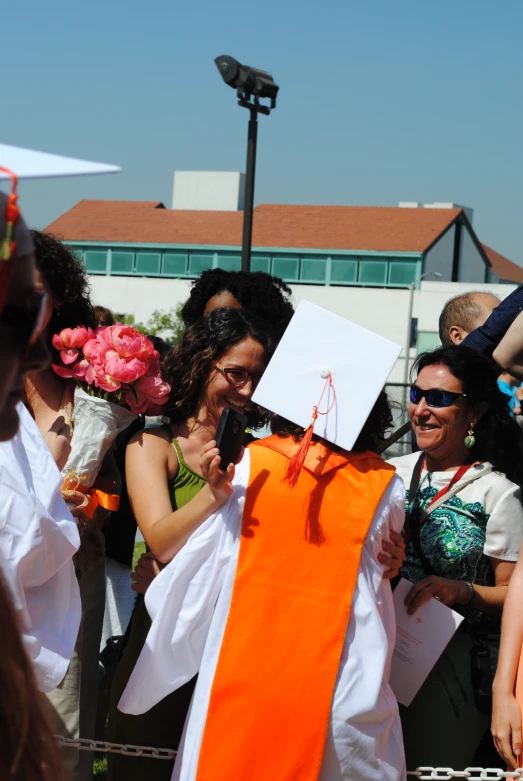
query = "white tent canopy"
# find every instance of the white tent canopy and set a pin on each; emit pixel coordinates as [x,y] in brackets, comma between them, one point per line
[29,164]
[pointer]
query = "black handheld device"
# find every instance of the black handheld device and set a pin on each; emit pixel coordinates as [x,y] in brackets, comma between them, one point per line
[230,435]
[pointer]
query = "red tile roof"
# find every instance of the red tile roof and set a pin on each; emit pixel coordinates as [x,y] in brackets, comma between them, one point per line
[501,265]
[381,228]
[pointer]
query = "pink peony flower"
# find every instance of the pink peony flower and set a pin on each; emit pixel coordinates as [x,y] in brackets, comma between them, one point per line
[69,340]
[148,396]
[62,371]
[125,371]
[127,342]
[94,351]
[113,358]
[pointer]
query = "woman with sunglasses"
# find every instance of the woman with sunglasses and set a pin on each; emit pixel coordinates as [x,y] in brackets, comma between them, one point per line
[172,491]
[464,526]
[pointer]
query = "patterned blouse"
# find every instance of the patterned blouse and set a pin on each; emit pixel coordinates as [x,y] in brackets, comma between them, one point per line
[483,520]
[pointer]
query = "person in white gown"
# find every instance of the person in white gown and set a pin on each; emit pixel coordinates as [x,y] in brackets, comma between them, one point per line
[37,542]
[197,622]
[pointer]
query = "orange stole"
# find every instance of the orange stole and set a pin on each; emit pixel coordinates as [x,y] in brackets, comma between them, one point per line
[299,555]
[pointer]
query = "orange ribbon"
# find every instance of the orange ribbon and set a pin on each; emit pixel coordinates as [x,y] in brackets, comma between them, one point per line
[101,493]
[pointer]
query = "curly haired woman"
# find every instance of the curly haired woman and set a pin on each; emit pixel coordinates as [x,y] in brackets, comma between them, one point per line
[49,399]
[263,296]
[216,365]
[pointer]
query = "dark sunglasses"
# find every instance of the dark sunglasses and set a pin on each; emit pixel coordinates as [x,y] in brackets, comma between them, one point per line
[25,322]
[435,397]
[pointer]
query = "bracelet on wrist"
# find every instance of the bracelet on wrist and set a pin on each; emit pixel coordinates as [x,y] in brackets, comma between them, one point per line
[472,590]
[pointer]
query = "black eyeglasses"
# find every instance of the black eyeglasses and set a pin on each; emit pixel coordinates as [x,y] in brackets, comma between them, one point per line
[435,397]
[25,322]
[238,377]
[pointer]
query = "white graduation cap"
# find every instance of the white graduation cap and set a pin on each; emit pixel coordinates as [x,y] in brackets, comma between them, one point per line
[327,363]
[29,164]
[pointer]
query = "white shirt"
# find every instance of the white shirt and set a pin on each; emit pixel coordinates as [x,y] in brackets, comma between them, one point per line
[189,604]
[38,538]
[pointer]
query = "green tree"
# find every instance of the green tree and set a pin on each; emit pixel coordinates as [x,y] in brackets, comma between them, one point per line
[168,325]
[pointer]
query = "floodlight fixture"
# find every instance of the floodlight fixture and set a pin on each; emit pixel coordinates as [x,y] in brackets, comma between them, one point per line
[251,85]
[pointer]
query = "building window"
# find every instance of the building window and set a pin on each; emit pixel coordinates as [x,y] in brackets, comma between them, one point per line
[230,262]
[122,262]
[148,263]
[402,273]
[96,262]
[199,263]
[413,331]
[313,270]
[428,341]
[344,272]
[373,272]
[174,264]
[261,263]
[286,268]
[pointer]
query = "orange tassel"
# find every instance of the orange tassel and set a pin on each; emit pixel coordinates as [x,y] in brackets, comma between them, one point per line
[295,464]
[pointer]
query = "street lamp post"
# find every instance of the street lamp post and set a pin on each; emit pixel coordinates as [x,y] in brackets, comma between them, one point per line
[412,288]
[251,85]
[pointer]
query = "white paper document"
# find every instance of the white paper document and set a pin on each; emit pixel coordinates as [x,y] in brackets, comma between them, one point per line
[420,641]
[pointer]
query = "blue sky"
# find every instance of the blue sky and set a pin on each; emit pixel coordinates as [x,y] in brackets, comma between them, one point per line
[380,100]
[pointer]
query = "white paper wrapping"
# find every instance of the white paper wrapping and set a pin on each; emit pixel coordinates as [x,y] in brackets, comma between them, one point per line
[97,423]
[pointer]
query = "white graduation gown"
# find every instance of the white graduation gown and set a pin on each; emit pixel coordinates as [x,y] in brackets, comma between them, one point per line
[38,538]
[189,604]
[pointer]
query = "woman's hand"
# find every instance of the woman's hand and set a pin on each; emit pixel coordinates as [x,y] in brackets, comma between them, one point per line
[392,555]
[450,592]
[506,728]
[220,483]
[145,572]
[77,503]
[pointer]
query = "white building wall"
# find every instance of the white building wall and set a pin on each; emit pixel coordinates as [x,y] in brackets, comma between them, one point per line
[208,190]
[382,311]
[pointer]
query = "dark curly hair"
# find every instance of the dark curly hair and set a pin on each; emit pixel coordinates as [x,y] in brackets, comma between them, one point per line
[264,296]
[498,437]
[68,282]
[370,438]
[188,366]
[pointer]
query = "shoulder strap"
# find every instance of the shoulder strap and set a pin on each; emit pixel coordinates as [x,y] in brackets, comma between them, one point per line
[178,449]
[453,491]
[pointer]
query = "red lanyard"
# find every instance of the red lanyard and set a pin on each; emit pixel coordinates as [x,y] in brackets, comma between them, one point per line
[459,474]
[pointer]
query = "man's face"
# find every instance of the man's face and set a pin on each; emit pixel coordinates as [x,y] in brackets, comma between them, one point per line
[486,303]
[16,357]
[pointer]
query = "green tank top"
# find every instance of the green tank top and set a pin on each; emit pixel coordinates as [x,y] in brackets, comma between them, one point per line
[186,483]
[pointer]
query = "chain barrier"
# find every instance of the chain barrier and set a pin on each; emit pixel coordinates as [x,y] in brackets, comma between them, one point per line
[422,773]
[470,773]
[103,747]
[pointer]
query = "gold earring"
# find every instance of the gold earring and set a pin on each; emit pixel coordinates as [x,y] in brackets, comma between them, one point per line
[470,439]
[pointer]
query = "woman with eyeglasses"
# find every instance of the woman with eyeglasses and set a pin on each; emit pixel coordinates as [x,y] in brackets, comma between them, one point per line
[464,526]
[173,490]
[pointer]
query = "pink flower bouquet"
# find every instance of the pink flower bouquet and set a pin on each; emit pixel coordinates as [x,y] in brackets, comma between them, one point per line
[118,374]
